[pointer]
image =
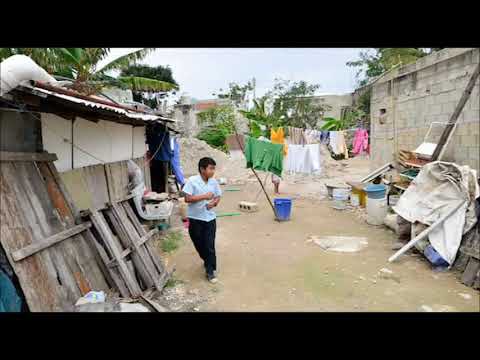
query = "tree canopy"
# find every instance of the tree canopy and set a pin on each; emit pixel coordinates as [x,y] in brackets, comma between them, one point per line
[374,63]
[147,79]
[81,65]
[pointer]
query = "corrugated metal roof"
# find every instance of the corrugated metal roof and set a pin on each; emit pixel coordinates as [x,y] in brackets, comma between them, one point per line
[93,104]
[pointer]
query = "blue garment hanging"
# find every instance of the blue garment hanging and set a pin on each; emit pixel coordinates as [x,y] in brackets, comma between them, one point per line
[177,169]
[162,139]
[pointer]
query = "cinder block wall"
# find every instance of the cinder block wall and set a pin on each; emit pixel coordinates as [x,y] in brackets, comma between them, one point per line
[418,94]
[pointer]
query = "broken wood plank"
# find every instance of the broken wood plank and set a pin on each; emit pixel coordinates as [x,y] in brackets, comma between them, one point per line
[135,240]
[122,232]
[155,305]
[133,218]
[152,252]
[46,243]
[102,228]
[21,156]
[471,272]
[111,275]
[148,236]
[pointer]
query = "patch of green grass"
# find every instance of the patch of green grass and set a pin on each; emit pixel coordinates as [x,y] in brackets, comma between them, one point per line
[172,282]
[172,241]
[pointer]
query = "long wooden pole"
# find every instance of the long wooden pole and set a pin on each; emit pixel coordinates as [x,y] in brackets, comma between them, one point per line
[256,175]
[424,233]
[453,119]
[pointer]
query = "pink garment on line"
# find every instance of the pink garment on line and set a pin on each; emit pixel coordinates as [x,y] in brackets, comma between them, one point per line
[360,141]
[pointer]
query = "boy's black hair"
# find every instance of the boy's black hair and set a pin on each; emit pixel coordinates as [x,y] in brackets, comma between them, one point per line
[204,162]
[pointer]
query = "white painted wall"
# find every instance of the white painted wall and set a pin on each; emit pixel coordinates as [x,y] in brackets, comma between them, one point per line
[54,130]
[139,145]
[121,137]
[106,141]
[92,138]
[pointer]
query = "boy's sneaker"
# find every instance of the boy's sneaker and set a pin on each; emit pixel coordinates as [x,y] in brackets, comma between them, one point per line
[212,278]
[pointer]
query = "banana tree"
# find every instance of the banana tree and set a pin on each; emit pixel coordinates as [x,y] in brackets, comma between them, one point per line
[81,66]
[346,121]
[258,116]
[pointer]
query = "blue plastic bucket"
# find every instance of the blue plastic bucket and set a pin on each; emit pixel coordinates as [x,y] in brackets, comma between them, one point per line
[376,191]
[434,257]
[283,208]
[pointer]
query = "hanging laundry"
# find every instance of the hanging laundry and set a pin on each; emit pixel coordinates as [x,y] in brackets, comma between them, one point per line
[296,136]
[278,137]
[177,168]
[338,144]
[263,155]
[324,137]
[312,136]
[304,159]
[360,142]
[159,144]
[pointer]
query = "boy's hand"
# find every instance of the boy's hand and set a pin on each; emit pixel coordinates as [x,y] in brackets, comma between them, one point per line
[208,196]
[213,203]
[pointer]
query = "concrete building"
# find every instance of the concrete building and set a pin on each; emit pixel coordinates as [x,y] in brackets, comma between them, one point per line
[406,100]
[337,103]
[186,114]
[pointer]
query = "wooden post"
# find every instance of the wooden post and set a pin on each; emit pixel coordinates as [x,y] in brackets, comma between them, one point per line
[258,178]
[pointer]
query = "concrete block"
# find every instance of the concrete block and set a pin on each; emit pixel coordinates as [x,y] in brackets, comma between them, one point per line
[448,107]
[248,206]
[474,152]
[435,109]
[474,128]
[475,56]
[468,140]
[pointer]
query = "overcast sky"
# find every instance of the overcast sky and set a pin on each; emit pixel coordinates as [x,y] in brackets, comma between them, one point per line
[202,71]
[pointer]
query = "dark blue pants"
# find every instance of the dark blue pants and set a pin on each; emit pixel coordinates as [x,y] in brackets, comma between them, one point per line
[202,234]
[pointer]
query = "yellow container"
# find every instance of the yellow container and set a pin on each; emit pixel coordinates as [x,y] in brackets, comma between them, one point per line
[357,188]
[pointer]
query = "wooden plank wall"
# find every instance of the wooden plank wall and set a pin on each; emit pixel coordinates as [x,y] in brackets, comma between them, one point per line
[91,187]
[34,208]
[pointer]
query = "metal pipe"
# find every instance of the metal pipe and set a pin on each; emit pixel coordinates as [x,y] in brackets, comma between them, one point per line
[424,233]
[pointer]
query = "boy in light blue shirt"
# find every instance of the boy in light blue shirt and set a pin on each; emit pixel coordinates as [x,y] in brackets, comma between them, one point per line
[202,194]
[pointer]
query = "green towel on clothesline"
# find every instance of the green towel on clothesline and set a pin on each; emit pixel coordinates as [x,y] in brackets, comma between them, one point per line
[263,155]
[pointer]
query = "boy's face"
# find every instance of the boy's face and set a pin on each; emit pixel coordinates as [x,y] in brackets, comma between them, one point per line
[209,171]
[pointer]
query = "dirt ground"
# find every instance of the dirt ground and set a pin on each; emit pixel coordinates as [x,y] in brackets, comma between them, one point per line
[264,265]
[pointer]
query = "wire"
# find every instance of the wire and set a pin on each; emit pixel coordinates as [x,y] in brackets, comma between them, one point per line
[22,108]
[147,162]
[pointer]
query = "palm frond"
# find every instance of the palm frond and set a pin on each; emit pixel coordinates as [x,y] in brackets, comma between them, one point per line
[137,83]
[124,61]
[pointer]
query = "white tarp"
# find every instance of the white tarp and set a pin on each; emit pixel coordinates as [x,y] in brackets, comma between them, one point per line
[437,188]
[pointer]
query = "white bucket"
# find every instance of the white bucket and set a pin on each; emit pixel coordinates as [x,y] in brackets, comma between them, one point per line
[393,199]
[340,198]
[355,200]
[376,211]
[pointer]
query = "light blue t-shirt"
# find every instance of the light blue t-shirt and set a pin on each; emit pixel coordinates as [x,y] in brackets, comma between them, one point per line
[196,186]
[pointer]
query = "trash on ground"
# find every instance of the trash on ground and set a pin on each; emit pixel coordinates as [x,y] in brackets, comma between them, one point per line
[340,243]
[135,307]
[386,271]
[91,297]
